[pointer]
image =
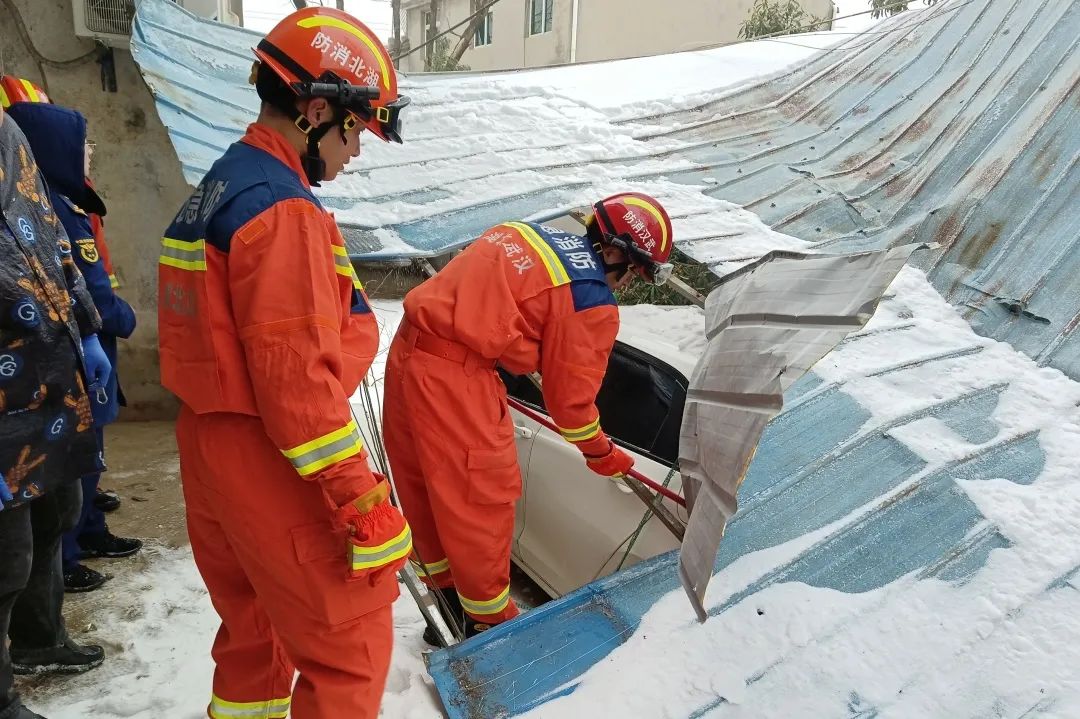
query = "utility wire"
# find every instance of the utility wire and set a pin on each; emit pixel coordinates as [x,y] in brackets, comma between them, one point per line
[446,32]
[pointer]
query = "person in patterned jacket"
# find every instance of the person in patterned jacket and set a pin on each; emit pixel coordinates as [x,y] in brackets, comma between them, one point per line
[49,354]
[57,137]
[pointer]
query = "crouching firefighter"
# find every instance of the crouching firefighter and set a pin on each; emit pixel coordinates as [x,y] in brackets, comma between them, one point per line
[265,332]
[529,298]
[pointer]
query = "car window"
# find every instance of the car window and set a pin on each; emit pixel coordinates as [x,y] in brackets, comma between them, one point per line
[641,402]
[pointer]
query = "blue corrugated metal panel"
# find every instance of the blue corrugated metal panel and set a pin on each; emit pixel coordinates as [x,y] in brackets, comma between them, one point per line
[950,124]
[821,463]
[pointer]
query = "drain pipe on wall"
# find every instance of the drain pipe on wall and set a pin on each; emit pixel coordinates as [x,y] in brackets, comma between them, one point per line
[574,30]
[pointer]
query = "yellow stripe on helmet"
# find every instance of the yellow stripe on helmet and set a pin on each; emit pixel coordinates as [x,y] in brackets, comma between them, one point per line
[648,207]
[321,21]
[31,91]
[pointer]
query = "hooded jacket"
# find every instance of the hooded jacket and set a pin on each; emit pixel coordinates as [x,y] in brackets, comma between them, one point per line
[46,436]
[57,137]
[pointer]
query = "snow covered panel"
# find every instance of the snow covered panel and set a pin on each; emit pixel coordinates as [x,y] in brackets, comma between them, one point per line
[767,324]
[907,544]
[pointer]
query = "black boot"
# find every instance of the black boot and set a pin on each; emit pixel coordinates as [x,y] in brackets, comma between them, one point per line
[106,501]
[456,617]
[83,579]
[105,544]
[473,627]
[68,658]
[25,713]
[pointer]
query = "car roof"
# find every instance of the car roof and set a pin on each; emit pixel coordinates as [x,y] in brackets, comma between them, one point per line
[660,347]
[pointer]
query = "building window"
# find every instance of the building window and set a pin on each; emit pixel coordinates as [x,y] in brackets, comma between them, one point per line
[483,32]
[540,14]
[425,18]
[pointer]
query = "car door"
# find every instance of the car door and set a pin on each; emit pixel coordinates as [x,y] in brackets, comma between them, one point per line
[577,526]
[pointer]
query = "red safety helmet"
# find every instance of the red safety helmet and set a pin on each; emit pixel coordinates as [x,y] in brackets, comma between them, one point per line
[14,89]
[639,226]
[324,52]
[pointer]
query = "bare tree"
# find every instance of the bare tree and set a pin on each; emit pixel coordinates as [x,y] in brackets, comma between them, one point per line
[432,32]
[467,37]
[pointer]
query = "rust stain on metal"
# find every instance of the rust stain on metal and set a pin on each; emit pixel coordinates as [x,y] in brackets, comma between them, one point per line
[991,175]
[916,129]
[974,250]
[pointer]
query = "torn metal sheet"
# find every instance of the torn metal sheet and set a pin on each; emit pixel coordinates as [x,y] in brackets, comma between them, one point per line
[768,323]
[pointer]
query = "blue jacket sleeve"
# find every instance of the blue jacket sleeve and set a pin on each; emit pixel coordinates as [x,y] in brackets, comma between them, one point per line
[117,317]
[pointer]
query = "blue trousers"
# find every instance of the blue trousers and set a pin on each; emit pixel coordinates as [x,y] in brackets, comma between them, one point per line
[91,519]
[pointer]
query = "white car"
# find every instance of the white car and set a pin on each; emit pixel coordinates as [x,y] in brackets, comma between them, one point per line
[574,526]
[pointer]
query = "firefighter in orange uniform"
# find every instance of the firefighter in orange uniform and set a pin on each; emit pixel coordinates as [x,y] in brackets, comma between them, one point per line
[265,332]
[529,298]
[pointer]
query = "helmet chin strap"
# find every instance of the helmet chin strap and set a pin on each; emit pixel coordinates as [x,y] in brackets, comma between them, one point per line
[312,162]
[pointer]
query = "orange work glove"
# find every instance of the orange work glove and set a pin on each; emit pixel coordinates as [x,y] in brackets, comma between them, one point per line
[380,540]
[616,463]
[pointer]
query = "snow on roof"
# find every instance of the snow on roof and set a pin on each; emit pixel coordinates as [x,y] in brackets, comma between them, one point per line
[950,124]
[481,148]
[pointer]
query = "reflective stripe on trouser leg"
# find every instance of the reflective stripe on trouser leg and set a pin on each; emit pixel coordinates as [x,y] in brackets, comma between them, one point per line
[270,709]
[433,569]
[485,609]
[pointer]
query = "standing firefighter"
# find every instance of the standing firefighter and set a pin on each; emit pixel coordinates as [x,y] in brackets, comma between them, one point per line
[529,298]
[265,333]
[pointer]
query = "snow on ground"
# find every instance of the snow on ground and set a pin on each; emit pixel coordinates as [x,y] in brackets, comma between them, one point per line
[159,637]
[158,643]
[1005,643]
[924,648]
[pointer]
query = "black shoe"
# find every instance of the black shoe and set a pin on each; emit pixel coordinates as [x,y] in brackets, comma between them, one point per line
[431,637]
[25,713]
[83,579]
[473,627]
[106,501]
[457,616]
[68,658]
[105,544]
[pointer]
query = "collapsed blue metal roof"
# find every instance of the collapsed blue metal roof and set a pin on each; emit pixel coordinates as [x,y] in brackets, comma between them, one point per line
[954,125]
[950,124]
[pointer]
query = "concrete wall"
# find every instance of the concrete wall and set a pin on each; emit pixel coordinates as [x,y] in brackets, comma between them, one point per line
[512,47]
[647,27]
[607,29]
[135,169]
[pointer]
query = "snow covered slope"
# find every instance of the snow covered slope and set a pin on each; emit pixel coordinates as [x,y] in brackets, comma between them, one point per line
[907,545]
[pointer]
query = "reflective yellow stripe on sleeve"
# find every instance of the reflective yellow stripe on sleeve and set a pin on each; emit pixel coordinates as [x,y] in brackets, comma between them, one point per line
[190,256]
[488,607]
[552,263]
[113,282]
[581,434]
[327,450]
[343,266]
[270,709]
[370,557]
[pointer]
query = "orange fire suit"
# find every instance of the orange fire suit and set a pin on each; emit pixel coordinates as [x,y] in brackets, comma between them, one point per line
[529,298]
[265,332]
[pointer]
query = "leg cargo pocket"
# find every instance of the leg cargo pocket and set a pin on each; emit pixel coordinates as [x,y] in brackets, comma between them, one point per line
[494,476]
